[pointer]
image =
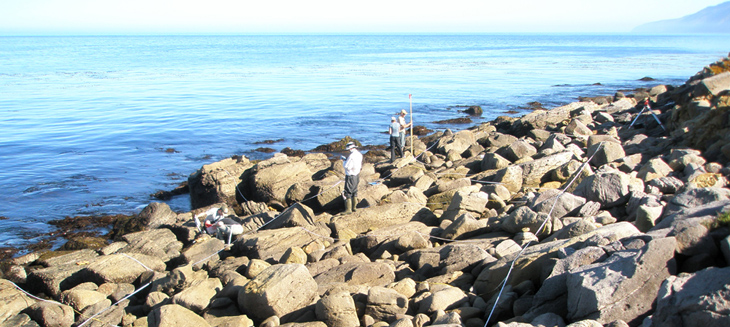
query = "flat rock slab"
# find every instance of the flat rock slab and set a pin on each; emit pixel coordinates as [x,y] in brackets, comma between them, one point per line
[121,268]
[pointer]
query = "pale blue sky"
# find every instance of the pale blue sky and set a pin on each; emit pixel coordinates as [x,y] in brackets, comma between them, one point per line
[22,17]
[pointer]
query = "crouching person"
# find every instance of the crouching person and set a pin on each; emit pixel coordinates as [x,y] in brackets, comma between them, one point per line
[226,228]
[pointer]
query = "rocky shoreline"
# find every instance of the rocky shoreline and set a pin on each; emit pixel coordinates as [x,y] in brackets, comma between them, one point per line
[596,213]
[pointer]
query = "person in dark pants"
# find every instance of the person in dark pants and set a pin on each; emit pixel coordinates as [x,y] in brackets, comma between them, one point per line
[395,145]
[353,165]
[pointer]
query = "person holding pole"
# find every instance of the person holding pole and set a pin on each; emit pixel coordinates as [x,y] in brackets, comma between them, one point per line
[403,129]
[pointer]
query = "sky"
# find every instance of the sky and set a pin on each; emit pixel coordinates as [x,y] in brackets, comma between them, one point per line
[100,17]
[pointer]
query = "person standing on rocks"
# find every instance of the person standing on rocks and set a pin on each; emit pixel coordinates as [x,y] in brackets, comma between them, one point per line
[353,165]
[403,129]
[395,144]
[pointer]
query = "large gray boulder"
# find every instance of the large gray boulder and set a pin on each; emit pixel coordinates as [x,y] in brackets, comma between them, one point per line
[493,160]
[12,300]
[161,243]
[523,217]
[50,314]
[271,245]
[518,150]
[385,304]
[173,315]
[357,273]
[530,265]
[337,310]
[157,214]
[552,297]
[605,152]
[555,203]
[278,291]
[61,273]
[217,182]
[372,218]
[536,172]
[693,199]
[121,268]
[198,296]
[20,320]
[444,299]
[272,180]
[449,258]
[623,286]
[698,299]
[610,189]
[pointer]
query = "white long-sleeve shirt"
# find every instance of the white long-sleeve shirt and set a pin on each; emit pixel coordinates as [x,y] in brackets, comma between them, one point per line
[353,164]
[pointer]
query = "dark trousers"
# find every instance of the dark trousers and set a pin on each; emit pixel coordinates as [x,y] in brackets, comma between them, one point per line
[351,182]
[395,146]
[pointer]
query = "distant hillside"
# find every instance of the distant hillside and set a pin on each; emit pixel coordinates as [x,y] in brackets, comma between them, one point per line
[714,19]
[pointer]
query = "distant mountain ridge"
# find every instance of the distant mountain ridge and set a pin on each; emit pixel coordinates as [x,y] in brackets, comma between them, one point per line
[714,19]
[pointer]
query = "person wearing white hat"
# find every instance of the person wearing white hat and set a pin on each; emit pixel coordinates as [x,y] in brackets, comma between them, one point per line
[353,165]
[403,129]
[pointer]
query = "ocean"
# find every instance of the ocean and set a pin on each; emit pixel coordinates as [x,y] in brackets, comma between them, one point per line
[93,125]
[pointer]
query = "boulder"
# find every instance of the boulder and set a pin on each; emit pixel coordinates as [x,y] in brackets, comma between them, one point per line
[80,299]
[716,84]
[63,272]
[337,310]
[271,181]
[217,182]
[698,299]
[523,217]
[407,175]
[552,295]
[444,299]
[204,250]
[357,273]
[667,185]
[20,320]
[456,143]
[692,199]
[464,226]
[295,215]
[372,218]
[465,202]
[537,172]
[279,291]
[623,286]
[546,119]
[653,169]
[534,259]
[510,177]
[492,160]
[385,304]
[555,203]
[12,300]
[577,128]
[173,315]
[518,150]
[198,295]
[160,243]
[121,268]
[611,189]
[50,314]
[605,152]
[271,245]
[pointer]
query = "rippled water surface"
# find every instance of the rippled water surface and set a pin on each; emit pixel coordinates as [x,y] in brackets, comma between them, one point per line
[94,125]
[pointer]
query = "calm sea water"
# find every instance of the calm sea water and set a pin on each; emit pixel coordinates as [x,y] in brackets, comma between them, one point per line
[94,125]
